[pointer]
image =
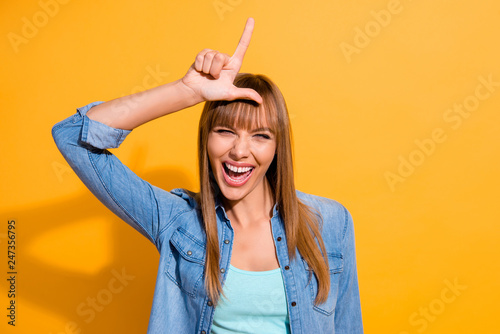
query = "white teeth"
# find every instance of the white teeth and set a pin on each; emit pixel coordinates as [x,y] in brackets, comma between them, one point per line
[237,169]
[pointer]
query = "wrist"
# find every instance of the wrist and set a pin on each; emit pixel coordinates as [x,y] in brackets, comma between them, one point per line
[190,96]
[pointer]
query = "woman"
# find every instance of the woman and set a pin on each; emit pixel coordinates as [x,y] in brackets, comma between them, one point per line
[249,253]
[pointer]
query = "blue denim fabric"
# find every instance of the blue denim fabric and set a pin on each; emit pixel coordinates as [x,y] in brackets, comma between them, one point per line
[172,221]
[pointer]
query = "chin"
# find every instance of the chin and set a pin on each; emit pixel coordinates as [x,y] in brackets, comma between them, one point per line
[232,194]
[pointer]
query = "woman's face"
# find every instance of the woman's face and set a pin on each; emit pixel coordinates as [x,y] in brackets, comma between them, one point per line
[240,159]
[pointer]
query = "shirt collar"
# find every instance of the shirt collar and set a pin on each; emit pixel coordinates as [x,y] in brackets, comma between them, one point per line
[220,208]
[275,210]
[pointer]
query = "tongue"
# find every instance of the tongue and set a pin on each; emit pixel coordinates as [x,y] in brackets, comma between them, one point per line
[235,175]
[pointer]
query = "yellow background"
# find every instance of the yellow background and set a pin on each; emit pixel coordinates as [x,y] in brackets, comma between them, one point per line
[354,115]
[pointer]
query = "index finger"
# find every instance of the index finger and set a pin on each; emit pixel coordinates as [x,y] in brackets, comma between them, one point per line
[244,40]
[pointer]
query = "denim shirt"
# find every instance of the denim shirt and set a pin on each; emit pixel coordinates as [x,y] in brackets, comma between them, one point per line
[173,222]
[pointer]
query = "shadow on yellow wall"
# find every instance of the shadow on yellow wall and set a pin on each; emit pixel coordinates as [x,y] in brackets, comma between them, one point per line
[84,266]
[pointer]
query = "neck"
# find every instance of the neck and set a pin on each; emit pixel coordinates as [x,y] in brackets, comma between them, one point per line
[256,207]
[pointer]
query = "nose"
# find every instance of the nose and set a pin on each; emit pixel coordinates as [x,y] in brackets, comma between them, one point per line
[240,149]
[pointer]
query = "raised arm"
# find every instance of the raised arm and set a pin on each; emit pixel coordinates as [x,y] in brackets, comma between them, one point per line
[84,138]
[209,78]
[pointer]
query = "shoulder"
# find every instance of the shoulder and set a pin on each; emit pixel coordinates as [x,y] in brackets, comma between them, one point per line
[186,197]
[335,218]
[323,204]
[178,206]
[183,217]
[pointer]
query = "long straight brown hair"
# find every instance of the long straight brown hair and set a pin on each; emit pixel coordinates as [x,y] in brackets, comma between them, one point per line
[302,224]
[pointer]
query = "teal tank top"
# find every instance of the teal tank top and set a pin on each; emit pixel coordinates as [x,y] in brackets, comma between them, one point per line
[255,304]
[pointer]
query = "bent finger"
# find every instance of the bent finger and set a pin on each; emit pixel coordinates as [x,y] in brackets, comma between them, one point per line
[220,59]
[207,61]
[200,57]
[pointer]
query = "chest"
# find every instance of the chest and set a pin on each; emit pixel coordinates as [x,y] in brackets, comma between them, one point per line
[254,249]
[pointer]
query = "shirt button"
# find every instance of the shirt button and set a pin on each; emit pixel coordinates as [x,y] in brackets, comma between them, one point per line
[189,252]
[203,332]
[287,267]
[222,270]
[294,303]
[226,241]
[209,303]
[279,239]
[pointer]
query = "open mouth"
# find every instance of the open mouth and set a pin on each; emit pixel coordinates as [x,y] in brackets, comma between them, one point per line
[236,176]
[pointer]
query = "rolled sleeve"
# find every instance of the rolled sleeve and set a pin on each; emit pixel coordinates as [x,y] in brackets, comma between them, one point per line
[100,135]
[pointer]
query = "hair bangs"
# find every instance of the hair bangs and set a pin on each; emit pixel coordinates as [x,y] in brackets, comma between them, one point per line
[244,114]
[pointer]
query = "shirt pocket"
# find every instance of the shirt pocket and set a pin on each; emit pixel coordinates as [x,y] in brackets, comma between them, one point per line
[336,266]
[186,261]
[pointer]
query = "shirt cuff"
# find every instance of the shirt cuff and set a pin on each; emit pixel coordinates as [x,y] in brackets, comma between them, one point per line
[98,134]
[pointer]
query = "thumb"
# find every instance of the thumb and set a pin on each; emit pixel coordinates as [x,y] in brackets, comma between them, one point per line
[246,94]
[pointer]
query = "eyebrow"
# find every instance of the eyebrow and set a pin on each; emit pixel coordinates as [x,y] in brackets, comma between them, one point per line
[263,129]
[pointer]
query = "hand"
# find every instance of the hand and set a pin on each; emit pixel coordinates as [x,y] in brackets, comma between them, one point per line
[212,74]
